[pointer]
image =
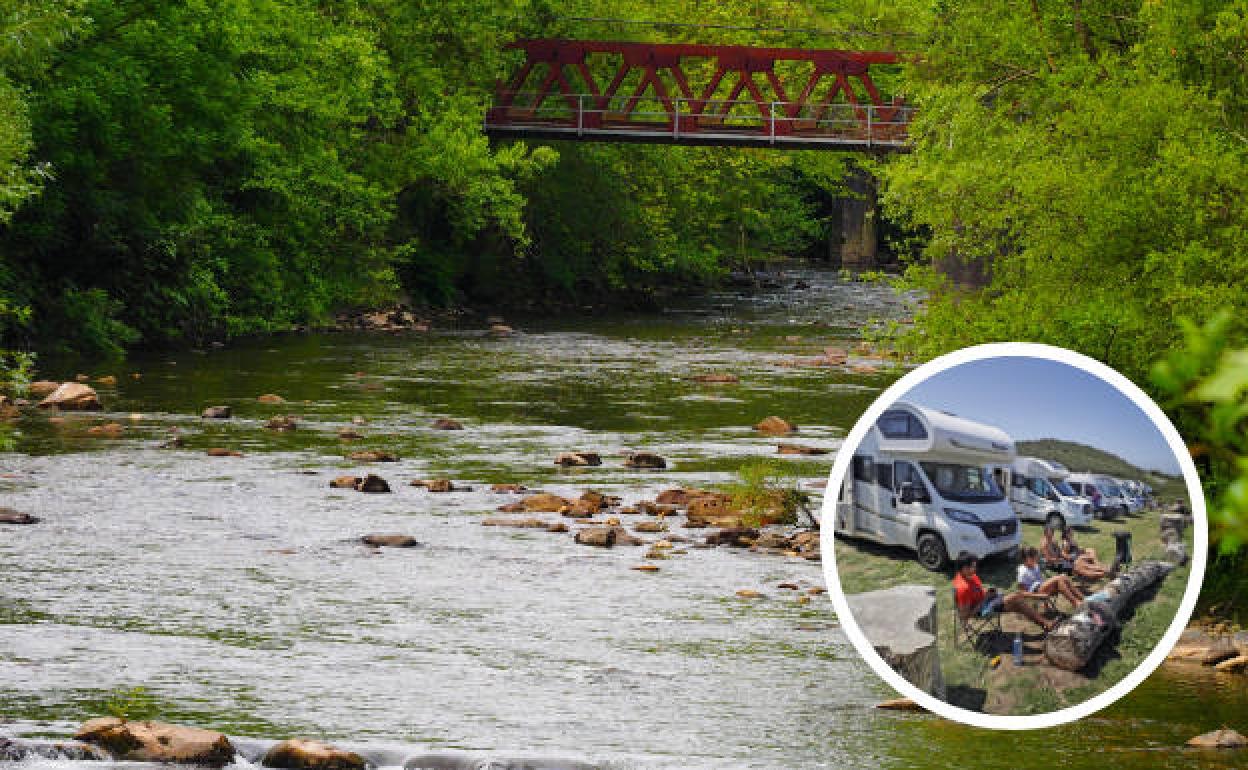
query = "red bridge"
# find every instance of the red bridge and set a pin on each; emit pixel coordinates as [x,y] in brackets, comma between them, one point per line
[699,94]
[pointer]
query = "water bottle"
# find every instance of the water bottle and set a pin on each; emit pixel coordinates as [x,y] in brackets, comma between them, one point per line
[1018,649]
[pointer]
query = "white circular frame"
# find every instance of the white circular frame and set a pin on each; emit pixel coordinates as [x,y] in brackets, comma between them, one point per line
[1200,528]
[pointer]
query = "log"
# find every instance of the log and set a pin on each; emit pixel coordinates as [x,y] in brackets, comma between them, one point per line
[1075,640]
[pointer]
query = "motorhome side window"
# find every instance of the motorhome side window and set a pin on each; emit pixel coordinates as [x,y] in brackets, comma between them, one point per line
[901,425]
[905,473]
[863,468]
[884,475]
[1039,487]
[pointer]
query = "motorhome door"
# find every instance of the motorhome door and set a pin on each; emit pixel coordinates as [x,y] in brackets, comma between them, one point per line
[907,513]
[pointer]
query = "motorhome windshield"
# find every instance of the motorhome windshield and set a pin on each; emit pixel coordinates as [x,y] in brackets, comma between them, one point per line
[1062,487]
[962,483]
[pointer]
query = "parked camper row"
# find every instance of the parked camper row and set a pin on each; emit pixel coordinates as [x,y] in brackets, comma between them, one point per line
[943,485]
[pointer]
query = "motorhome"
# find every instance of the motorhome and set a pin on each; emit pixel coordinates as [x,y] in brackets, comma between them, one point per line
[1105,494]
[1131,491]
[922,479]
[1039,492]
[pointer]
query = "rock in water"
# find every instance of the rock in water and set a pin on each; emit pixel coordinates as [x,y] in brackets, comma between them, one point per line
[71,396]
[775,426]
[799,449]
[603,537]
[345,482]
[901,625]
[445,423]
[435,485]
[157,742]
[222,452]
[10,516]
[311,755]
[270,398]
[1219,739]
[650,526]
[390,541]
[900,704]
[573,459]
[282,423]
[108,430]
[217,413]
[544,502]
[715,378]
[373,484]
[646,460]
[41,388]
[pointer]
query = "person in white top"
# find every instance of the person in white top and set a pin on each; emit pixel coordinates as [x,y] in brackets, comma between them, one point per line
[1031,579]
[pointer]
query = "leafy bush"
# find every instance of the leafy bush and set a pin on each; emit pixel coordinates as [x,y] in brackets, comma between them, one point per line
[768,491]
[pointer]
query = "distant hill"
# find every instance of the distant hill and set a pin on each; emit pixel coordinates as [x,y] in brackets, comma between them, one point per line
[1081,458]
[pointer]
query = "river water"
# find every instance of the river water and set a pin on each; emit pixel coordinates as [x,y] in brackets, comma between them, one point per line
[232,590]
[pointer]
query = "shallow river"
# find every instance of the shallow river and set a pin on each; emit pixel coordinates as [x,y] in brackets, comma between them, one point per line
[230,589]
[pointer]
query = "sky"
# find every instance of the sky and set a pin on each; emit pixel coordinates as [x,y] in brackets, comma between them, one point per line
[1033,398]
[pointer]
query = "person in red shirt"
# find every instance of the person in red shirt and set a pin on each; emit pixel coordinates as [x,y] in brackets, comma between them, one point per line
[974,599]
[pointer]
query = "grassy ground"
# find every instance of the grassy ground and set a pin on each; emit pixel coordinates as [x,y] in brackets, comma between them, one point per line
[970,679]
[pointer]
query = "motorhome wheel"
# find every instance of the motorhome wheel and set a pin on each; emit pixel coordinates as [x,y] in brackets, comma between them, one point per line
[932,553]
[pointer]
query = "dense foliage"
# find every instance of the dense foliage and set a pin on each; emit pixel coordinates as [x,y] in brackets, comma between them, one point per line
[1088,163]
[180,171]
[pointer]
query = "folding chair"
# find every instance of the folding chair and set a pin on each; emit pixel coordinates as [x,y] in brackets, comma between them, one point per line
[975,625]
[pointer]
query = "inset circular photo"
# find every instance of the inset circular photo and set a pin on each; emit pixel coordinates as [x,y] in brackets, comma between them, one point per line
[1014,535]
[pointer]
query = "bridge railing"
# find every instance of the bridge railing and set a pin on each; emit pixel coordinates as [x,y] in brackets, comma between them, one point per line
[680,118]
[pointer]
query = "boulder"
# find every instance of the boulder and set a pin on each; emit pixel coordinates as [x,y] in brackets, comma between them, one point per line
[176,442]
[901,625]
[217,413]
[270,398]
[219,452]
[603,537]
[650,526]
[157,742]
[107,430]
[18,749]
[71,396]
[10,516]
[507,489]
[544,502]
[749,593]
[445,423]
[299,754]
[345,482]
[741,537]
[900,704]
[864,369]
[501,330]
[836,356]
[645,567]
[41,388]
[530,523]
[774,540]
[800,449]
[575,459]
[435,485]
[1225,738]
[390,541]
[712,510]
[373,456]
[349,434]
[775,426]
[645,460]
[282,423]
[373,484]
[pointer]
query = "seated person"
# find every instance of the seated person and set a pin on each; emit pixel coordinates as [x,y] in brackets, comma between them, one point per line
[972,599]
[1082,560]
[1053,555]
[1034,584]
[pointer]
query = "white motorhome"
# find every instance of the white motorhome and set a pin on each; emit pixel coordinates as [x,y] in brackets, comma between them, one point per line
[923,479]
[1135,501]
[1105,494]
[1039,492]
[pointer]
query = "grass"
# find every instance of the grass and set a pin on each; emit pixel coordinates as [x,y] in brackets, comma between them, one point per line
[970,680]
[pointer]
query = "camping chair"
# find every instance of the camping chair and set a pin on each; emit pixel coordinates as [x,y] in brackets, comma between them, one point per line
[975,625]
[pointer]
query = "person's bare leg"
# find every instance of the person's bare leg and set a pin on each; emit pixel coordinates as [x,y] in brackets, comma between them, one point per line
[1016,603]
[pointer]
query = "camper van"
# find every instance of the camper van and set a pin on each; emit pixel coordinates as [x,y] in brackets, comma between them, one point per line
[1106,497]
[1039,492]
[923,479]
[1135,501]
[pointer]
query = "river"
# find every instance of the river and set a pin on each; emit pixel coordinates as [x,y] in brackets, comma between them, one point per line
[233,590]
